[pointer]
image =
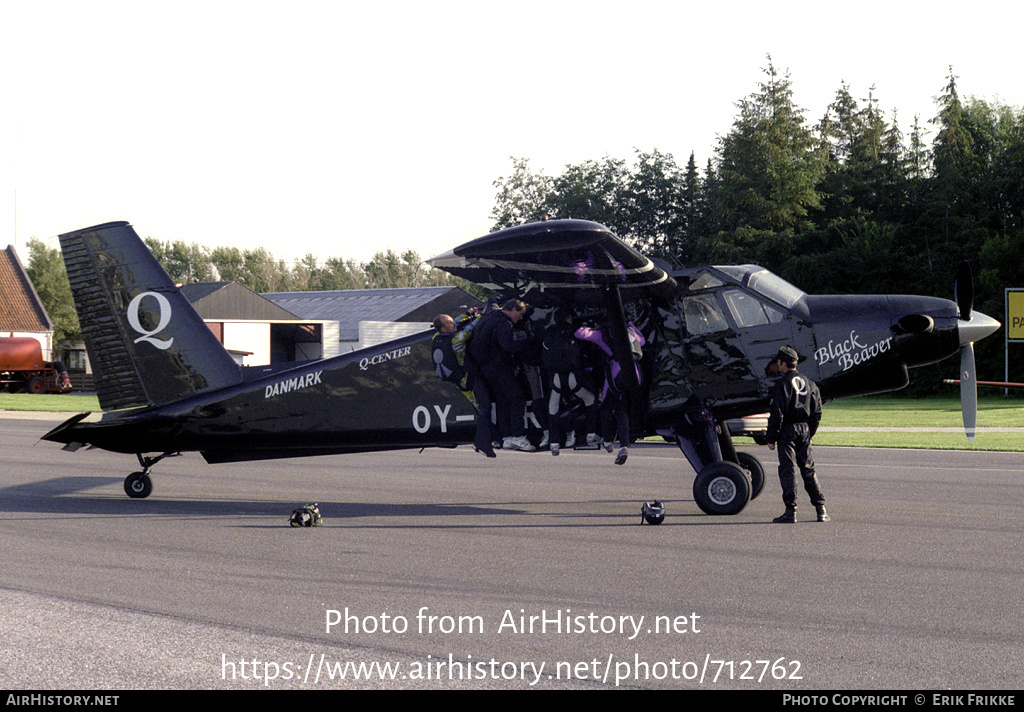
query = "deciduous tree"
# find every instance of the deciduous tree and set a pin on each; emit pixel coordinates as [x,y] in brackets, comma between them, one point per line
[46,271]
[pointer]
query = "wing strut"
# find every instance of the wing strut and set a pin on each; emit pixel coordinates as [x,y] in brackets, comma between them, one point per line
[619,338]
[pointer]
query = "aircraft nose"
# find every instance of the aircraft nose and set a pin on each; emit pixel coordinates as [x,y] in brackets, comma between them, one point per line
[976,328]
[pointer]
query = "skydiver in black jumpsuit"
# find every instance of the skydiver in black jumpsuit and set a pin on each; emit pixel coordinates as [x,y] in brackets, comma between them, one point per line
[793,419]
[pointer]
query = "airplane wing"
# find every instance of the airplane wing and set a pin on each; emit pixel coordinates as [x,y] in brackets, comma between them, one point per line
[565,260]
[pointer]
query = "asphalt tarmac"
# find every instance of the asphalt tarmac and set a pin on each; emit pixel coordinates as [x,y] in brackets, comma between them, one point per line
[442,569]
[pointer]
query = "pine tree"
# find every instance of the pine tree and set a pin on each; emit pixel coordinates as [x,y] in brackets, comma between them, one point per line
[956,165]
[769,167]
[855,143]
[693,212]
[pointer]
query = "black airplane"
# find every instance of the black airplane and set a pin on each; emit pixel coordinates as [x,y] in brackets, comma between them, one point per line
[167,385]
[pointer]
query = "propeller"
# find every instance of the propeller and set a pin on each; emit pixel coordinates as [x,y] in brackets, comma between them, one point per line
[963,290]
[963,293]
[968,390]
[971,327]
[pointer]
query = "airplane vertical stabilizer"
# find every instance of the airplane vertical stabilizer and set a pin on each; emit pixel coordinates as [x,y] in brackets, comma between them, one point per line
[147,345]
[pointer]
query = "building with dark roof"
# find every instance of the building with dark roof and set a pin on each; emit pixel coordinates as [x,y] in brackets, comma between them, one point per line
[255,330]
[21,311]
[370,316]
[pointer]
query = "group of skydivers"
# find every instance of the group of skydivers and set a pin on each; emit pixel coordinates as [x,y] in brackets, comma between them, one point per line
[498,357]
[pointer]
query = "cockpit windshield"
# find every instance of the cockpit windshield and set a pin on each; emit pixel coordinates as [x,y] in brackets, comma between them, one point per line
[764,282]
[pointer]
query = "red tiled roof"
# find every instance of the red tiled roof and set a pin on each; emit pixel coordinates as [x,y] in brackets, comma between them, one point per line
[20,308]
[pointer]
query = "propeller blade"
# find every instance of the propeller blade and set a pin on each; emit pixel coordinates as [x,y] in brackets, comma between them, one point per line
[963,290]
[968,390]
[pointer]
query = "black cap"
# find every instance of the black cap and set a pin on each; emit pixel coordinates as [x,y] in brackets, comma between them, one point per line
[788,355]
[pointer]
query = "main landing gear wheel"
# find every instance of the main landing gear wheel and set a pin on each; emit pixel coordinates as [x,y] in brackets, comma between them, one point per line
[722,488]
[755,471]
[138,485]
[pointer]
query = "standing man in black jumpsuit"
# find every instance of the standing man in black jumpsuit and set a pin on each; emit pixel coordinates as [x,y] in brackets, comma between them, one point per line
[495,351]
[793,419]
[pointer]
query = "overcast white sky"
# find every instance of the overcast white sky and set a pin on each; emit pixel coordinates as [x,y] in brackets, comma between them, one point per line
[343,128]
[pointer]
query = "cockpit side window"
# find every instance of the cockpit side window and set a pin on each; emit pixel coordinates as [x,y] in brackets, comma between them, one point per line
[765,283]
[748,310]
[776,288]
[706,280]
[703,316]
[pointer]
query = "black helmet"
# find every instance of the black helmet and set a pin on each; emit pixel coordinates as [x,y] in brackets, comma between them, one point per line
[652,512]
[308,516]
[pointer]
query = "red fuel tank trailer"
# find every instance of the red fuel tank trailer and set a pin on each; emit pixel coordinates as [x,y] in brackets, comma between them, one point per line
[22,368]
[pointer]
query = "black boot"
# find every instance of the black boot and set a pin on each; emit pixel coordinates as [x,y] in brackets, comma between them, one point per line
[822,514]
[787,517]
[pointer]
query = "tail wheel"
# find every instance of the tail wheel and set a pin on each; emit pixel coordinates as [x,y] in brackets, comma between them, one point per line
[721,488]
[755,471]
[138,485]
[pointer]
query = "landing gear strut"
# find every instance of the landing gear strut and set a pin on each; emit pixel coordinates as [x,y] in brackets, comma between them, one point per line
[726,480]
[138,485]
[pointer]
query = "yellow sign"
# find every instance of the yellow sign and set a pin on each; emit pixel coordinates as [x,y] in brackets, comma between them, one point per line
[1015,315]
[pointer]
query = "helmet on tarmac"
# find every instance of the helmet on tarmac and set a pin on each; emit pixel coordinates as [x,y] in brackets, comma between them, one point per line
[308,516]
[652,512]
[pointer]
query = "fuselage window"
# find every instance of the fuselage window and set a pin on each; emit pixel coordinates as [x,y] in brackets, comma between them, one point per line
[749,311]
[703,315]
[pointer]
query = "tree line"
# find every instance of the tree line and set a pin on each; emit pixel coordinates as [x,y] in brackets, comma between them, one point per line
[256,268]
[260,271]
[849,203]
